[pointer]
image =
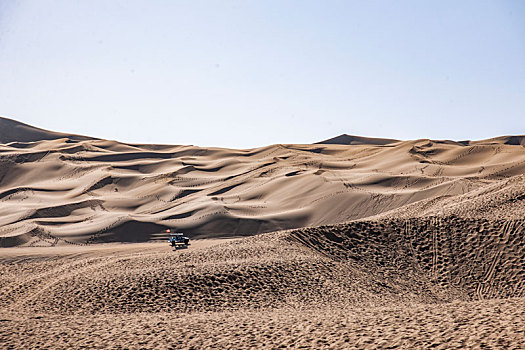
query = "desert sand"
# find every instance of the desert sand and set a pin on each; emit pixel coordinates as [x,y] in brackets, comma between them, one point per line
[352,242]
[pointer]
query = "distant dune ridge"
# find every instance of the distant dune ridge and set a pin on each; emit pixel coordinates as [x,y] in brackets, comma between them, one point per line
[353,242]
[345,139]
[57,188]
[15,131]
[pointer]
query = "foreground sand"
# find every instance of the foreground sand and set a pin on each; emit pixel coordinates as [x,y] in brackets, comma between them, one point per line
[335,286]
[496,324]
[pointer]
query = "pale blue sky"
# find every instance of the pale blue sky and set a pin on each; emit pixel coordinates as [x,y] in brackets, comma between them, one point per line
[253,73]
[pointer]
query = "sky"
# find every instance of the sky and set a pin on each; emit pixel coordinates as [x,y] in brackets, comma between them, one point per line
[244,74]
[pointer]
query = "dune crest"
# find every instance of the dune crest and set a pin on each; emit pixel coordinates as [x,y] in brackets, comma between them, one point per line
[15,131]
[346,139]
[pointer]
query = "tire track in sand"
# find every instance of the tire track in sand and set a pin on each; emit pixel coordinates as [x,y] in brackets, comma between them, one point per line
[28,289]
[485,286]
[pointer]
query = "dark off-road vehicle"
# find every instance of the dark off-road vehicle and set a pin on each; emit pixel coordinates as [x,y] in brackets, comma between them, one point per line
[178,240]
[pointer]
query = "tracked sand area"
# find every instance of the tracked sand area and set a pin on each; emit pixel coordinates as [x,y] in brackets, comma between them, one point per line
[376,243]
[408,284]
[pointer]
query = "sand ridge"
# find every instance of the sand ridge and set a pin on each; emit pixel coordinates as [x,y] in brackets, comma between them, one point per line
[80,191]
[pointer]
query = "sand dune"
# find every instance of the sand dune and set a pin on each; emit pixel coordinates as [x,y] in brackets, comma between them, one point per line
[70,190]
[408,284]
[346,139]
[353,243]
[15,131]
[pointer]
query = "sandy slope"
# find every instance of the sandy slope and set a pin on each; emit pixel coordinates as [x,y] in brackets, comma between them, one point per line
[15,131]
[350,286]
[421,244]
[81,191]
